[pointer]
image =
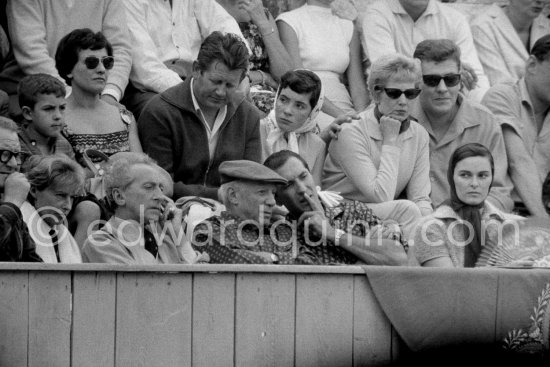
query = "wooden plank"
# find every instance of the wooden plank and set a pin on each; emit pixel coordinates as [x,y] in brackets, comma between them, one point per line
[94,308]
[14,318]
[324,320]
[153,319]
[213,320]
[264,321]
[177,268]
[49,319]
[372,336]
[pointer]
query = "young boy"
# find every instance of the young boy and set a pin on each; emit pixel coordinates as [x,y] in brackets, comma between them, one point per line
[42,101]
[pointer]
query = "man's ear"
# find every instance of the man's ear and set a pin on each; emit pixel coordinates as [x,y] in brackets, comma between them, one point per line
[196,69]
[32,192]
[531,65]
[232,196]
[118,196]
[26,111]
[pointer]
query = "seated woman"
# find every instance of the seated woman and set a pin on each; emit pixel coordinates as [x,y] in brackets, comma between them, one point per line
[84,59]
[444,239]
[503,36]
[55,180]
[292,124]
[385,155]
[329,46]
[269,58]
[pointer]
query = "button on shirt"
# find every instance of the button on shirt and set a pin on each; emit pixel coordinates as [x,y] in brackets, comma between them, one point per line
[211,133]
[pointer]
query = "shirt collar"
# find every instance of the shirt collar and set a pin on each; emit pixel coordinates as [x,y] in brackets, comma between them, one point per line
[372,127]
[524,93]
[489,212]
[397,8]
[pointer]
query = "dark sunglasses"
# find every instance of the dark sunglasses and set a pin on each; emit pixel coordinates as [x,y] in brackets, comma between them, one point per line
[92,62]
[395,93]
[433,80]
[6,155]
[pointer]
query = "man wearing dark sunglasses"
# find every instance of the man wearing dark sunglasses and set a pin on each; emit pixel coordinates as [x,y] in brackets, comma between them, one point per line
[193,127]
[452,121]
[523,111]
[15,241]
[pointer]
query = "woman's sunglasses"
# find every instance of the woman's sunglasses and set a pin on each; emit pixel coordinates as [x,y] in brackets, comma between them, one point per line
[395,93]
[433,80]
[92,62]
[6,155]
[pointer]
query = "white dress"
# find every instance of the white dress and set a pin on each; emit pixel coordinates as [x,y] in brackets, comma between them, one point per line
[324,42]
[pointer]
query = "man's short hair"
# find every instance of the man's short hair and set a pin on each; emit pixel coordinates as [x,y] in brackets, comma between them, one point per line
[68,48]
[31,86]
[236,185]
[119,172]
[54,170]
[226,48]
[541,48]
[8,124]
[278,159]
[302,82]
[437,50]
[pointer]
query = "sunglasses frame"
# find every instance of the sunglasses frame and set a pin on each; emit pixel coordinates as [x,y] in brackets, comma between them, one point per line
[410,94]
[445,78]
[107,61]
[18,156]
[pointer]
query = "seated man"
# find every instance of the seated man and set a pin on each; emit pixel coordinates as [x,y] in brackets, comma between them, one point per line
[35,30]
[15,241]
[135,187]
[399,25]
[452,121]
[349,226]
[167,37]
[193,127]
[523,110]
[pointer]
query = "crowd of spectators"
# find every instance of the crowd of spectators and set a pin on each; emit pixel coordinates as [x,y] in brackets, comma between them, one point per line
[202,131]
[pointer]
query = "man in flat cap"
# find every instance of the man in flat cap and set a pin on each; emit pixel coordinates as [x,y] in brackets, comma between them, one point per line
[243,233]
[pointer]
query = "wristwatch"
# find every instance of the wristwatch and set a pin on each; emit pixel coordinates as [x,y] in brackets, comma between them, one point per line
[337,234]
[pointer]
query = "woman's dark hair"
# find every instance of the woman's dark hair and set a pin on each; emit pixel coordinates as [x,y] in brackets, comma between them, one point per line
[302,82]
[467,151]
[69,47]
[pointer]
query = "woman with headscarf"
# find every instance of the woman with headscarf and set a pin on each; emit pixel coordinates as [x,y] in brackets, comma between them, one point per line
[292,124]
[455,234]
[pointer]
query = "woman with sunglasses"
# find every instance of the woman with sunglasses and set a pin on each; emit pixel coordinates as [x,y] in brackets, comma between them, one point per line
[55,180]
[84,59]
[384,156]
[456,233]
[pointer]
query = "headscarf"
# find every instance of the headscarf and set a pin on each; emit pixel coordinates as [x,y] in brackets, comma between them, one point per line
[276,140]
[468,213]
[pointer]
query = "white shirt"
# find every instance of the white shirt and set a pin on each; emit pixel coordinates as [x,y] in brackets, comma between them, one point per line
[161,33]
[211,133]
[388,28]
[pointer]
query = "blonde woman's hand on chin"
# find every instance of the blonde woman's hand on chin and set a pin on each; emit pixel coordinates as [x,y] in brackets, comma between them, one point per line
[389,127]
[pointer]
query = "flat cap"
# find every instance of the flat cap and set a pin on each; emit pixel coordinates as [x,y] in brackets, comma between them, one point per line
[249,171]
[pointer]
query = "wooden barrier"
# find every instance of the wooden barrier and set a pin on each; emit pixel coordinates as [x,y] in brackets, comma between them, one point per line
[200,315]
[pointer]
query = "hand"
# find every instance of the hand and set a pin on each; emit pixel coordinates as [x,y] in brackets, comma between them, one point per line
[172,215]
[111,100]
[16,188]
[390,129]
[469,77]
[331,131]
[255,9]
[279,213]
[270,81]
[316,220]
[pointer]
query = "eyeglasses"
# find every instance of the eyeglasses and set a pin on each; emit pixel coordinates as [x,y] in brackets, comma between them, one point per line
[433,80]
[395,93]
[6,155]
[93,61]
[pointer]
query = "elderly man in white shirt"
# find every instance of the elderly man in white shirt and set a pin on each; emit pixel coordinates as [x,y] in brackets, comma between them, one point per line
[166,36]
[399,25]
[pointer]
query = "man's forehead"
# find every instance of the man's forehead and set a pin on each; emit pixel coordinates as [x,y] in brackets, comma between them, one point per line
[292,169]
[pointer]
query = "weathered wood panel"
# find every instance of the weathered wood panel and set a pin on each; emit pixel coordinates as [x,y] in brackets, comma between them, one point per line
[264,324]
[324,320]
[14,318]
[94,310]
[153,319]
[213,320]
[49,319]
[371,327]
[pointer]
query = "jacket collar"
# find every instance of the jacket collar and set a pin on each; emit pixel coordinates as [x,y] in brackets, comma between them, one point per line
[397,8]
[489,212]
